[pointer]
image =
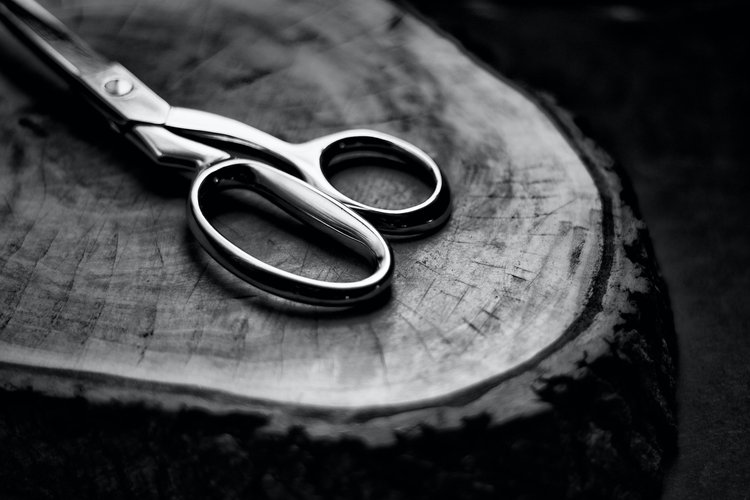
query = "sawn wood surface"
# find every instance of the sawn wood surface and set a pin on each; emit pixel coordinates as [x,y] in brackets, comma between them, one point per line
[105,293]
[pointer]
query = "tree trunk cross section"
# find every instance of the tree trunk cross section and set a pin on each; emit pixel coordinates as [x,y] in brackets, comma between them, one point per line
[106,295]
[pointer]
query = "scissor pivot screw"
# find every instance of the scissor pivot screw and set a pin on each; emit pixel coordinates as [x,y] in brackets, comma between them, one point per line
[118,87]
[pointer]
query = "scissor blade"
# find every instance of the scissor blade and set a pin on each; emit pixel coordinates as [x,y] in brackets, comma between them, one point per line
[109,86]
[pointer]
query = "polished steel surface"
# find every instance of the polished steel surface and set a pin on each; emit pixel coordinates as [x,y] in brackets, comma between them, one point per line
[308,205]
[312,160]
[198,142]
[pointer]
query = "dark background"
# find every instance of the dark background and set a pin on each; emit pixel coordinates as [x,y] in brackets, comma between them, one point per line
[659,86]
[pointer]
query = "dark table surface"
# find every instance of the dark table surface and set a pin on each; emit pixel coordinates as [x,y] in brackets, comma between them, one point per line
[659,87]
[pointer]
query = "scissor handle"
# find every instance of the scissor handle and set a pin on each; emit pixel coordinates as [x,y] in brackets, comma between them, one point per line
[305,203]
[316,160]
[336,152]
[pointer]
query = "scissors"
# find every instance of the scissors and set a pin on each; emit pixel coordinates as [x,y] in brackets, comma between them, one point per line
[199,143]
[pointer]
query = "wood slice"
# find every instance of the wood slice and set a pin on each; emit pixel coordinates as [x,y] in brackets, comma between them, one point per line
[531,333]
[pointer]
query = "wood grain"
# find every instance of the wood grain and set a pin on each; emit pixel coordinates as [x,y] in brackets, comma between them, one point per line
[100,276]
[106,296]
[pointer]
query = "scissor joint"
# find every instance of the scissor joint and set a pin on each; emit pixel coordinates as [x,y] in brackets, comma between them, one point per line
[125,97]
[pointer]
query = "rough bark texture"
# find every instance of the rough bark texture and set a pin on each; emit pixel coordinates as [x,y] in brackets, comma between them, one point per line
[525,351]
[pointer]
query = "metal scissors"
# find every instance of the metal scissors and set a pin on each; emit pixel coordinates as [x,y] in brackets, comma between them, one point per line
[199,142]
